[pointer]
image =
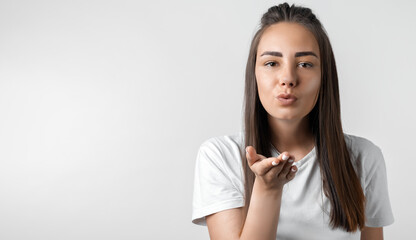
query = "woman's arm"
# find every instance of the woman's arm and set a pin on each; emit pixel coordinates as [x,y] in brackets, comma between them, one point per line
[264,209]
[263,213]
[371,233]
[261,221]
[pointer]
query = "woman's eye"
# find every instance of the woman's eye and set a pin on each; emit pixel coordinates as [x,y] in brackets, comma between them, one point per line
[270,64]
[305,65]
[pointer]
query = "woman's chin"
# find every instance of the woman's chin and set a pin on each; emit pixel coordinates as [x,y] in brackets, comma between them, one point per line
[285,117]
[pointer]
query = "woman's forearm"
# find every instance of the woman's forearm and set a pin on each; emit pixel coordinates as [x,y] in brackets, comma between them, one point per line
[263,214]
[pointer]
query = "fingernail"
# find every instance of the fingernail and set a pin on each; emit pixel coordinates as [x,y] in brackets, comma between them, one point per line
[274,163]
[290,160]
[285,157]
[293,169]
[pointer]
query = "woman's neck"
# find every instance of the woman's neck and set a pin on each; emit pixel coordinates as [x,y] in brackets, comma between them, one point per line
[291,135]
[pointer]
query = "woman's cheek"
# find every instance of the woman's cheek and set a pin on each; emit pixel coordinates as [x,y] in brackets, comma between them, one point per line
[265,88]
[312,89]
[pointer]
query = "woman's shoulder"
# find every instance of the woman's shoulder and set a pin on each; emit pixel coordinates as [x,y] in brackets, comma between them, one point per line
[219,178]
[224,150]
[224,142]
[365,154]
[360,145]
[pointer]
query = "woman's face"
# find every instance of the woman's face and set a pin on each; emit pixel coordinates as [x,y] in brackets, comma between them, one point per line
[288,61]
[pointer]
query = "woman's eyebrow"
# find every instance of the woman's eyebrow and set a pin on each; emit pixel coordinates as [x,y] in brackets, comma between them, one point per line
[298,54]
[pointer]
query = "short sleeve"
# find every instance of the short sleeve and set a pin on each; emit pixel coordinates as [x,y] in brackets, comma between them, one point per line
[214,190]
[378,209]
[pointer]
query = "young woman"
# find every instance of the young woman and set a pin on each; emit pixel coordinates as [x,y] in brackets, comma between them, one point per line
[292,173]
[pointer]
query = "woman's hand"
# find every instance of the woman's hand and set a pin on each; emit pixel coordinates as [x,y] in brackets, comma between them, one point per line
[272,172]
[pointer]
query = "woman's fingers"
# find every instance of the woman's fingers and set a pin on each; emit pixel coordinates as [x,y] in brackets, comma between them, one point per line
[286,168]
[292,173]
[252,155]
[258,163]
[279,163]
[280,167]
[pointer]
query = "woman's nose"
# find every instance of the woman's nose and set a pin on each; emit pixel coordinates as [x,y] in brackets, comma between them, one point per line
[288,78]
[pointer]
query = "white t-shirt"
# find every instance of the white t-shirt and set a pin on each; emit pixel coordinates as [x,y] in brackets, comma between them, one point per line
[304,211]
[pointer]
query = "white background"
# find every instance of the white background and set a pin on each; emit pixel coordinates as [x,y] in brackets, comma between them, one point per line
[103,105]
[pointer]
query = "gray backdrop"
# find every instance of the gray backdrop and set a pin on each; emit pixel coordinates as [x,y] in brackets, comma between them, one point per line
[104,104]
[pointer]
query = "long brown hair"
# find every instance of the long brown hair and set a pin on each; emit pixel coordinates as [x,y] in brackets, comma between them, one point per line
[339,180]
